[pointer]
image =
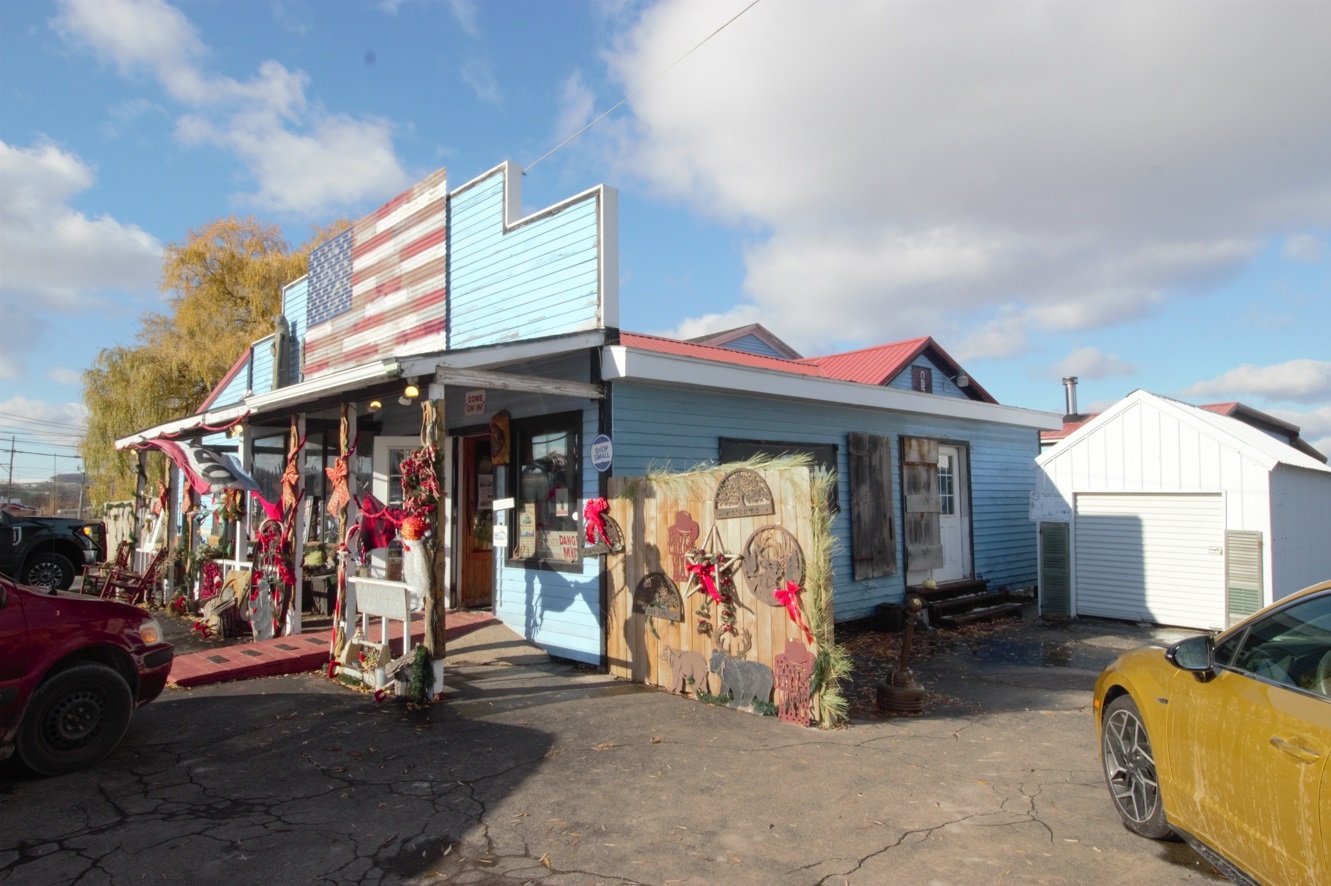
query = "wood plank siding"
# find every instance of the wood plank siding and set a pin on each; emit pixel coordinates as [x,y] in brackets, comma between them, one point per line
[943,386]
[679,428]
[537,279]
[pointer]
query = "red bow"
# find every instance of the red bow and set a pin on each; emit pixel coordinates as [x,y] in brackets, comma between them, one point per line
[789,598]
[706,572]
[591,516]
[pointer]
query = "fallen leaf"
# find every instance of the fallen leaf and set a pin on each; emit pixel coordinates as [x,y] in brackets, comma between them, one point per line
[545,860]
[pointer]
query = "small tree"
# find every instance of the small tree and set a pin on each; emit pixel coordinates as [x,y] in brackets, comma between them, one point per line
[224,283]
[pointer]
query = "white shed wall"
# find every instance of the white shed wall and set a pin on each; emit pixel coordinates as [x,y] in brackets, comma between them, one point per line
[1145,449]
[1300,537]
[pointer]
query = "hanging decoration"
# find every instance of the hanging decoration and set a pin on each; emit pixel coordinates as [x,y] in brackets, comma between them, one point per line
[772,557]
[599,524]
[420,485]
[789,598]
[794,683]
[337,475]
[683,535]
[743,493]
[657,597]
[711,570]
[499,438]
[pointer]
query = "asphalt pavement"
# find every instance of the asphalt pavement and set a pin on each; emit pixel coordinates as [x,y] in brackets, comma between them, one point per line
[535,770]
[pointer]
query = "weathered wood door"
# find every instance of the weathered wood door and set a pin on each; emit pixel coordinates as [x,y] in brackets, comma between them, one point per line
[921,506]
[476,524]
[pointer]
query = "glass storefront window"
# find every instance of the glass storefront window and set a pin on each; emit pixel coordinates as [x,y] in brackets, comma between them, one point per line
[544,527]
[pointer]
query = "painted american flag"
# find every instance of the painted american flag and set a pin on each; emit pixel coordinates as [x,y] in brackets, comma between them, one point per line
[380,289]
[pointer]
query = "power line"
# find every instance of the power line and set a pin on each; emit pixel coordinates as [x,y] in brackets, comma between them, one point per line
[26,419]
[617,104]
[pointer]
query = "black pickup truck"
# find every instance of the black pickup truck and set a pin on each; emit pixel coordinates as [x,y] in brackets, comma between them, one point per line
[49,551]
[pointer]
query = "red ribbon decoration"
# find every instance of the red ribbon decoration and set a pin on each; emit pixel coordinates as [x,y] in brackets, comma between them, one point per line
[789,598]
[591,516]
[706,572]
[337,502]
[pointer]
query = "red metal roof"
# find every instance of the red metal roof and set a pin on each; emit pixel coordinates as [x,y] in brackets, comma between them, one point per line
[871,366]
[1068,428]
[715,354]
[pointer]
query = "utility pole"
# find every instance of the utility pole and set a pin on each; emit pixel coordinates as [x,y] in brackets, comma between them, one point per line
[83,484]
[9,491]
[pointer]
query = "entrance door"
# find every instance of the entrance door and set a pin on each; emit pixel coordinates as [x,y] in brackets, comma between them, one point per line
[476,524]
[953,515]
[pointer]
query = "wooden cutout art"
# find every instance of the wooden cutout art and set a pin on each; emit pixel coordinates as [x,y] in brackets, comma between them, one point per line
[683,535]
[657,597]
[685,666]
[794,677]
[772,557]
[746,682]
[743,493]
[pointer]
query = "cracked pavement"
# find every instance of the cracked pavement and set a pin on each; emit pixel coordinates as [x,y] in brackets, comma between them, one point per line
[535,771]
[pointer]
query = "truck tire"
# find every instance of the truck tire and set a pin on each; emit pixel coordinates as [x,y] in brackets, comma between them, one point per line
[47,569]
[74,719]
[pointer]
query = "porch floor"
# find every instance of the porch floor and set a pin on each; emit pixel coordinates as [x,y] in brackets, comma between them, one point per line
[293,655]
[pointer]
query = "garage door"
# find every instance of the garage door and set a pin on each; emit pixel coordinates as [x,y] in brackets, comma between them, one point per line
[1154,558]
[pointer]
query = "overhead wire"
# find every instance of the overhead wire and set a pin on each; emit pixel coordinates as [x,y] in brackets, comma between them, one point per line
[626,98]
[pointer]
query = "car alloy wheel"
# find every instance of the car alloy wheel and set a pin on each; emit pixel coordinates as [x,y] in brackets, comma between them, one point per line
[1130,770]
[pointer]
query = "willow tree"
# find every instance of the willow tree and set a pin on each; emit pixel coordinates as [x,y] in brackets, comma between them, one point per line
[223,284]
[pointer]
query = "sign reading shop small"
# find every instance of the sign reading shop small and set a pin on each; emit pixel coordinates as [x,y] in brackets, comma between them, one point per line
[603,453]
[474,403]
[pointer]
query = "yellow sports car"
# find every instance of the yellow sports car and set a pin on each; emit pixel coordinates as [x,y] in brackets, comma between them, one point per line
[1223,741]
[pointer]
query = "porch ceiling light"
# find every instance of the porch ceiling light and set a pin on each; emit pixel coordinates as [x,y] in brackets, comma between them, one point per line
[375,406]
[409,393]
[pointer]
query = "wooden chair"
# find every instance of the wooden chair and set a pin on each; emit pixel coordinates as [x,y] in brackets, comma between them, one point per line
[135,588]
[94,574]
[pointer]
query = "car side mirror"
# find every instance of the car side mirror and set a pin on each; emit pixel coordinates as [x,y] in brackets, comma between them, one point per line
[1196,654]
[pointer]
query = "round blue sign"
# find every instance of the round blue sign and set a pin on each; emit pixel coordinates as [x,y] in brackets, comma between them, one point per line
[603,452]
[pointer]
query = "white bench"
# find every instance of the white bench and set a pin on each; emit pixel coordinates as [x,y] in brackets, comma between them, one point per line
[387,600]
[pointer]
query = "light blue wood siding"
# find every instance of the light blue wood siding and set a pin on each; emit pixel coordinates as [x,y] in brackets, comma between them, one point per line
[261,358]
[752,344]
[235,389]
[678,429]
[943,386]
[539,279]
[295,298]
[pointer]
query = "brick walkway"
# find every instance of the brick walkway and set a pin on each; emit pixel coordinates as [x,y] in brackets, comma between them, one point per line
[291,655]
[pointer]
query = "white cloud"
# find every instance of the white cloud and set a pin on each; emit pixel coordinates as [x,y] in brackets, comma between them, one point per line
[1314,426]
[478,76]
[65,376]
[1304,247]
[920,166]
[1092,363]
[302,159]
[48,249]
[1301,381]
[576,107]
[464,13]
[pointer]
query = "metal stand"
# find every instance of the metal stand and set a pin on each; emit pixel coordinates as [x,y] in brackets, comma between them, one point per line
[899,691]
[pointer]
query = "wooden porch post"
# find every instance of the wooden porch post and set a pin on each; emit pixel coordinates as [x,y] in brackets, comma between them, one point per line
[433,430]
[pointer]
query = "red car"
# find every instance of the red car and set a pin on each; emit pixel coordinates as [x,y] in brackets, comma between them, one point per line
[72,671]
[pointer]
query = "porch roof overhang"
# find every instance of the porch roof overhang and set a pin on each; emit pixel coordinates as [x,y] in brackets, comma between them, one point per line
[474,367]
[273,402]
[627,364]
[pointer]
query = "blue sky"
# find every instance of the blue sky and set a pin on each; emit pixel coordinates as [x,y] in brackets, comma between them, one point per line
[1136,194]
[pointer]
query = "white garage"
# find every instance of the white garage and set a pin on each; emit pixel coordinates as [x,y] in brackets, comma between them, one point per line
[1162,512]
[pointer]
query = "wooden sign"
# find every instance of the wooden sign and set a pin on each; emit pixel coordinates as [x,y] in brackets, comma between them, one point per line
[772,557]
[743,493]
[657,597]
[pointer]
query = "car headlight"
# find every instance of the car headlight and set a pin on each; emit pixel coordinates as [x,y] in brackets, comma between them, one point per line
[150,632]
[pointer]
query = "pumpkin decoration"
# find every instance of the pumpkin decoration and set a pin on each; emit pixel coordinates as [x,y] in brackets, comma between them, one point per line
[413,528]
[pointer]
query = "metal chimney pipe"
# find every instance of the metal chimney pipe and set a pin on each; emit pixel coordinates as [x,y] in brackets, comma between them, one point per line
[1070,394]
